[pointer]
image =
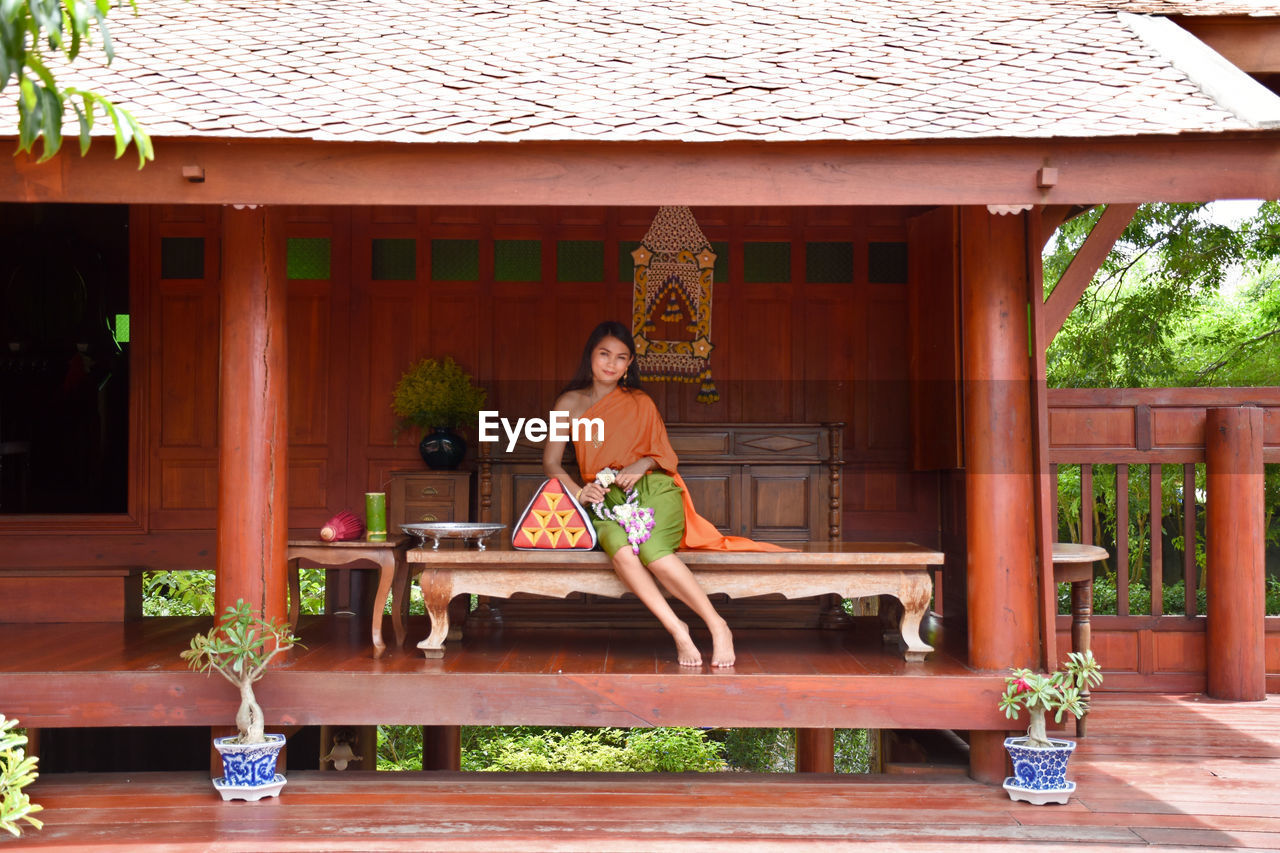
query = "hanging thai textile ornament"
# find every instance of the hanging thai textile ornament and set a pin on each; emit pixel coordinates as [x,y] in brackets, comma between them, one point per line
[671,309]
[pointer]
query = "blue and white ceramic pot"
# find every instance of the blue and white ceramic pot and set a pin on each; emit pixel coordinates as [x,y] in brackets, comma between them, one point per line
[1040,768]
[249,769]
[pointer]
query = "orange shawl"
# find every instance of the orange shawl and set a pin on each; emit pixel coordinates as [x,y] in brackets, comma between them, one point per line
[633,429]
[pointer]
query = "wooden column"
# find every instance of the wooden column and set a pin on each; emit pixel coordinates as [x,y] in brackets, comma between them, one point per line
[815,750]
[1235,576]
[1000,479]
[442,747]
[253,439]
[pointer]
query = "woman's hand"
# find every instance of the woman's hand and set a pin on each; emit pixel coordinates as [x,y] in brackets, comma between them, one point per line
[629,476]
[592,493]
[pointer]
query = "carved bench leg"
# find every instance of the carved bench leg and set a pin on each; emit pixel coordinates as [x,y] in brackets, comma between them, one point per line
[401,588]
[915,603]
[437,592]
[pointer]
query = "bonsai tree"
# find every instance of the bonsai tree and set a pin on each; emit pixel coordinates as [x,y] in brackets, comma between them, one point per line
[435,393]
[239,648]
[1057,693]
[17,771]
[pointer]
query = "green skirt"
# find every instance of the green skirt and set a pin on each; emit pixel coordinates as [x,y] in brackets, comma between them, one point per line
[658,491]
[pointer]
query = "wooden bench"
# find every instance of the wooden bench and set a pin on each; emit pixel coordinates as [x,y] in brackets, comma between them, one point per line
[848,569]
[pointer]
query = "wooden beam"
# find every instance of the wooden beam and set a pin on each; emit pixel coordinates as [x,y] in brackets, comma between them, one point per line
[1133,169]
[253,444]
[1084,266]
[434,696]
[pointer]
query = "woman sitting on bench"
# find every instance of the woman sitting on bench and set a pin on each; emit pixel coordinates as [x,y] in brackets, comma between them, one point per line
[635,444]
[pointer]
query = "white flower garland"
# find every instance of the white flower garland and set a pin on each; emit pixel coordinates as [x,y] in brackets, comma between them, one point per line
[637,521]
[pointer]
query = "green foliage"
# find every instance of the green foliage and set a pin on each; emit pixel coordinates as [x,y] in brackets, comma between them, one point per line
[239,648]
[400,747]
[32,31]
[534,748]
[673,750]
[1172,603]
[17,771]
[190,593]
[1057,693]
[1156,314]
[760,750]
[436,393]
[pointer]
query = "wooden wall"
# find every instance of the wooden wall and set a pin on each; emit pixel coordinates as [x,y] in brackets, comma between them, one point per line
[787,350]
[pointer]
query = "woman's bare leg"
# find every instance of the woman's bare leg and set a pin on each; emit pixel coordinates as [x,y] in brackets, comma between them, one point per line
[676,577]
[637,579]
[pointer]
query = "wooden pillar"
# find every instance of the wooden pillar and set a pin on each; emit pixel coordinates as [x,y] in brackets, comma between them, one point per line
[253,438]
[1235,576]
[441,747]
[1000,483]
[815,750]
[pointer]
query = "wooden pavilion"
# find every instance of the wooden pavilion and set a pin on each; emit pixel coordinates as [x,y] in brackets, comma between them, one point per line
[341,188]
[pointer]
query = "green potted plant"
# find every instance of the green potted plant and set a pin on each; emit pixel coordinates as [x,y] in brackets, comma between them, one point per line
[1040,762]
[438,397]
[17,771]
[239,648]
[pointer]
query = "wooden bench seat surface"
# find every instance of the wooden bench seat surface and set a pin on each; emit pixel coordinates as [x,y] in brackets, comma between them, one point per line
[809,555]
[848,569]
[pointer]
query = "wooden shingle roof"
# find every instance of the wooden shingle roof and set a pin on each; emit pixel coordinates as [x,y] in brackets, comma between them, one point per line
[516,70]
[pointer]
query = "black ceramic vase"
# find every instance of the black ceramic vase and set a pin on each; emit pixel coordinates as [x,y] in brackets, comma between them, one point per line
[442,449]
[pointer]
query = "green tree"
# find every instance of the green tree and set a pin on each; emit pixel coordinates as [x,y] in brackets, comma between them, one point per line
[34,32]
[1158,314]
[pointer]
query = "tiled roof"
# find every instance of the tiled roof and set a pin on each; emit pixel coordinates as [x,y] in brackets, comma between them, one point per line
[1197,7]
[513,70]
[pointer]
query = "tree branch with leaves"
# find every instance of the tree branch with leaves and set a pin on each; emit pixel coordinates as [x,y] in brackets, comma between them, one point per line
[34,35]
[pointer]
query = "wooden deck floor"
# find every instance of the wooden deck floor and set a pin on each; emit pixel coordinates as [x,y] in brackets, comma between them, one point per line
[130,674]
[1155,772]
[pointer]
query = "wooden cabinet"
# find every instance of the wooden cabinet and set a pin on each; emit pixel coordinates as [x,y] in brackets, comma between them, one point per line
[775,482]
[415,496]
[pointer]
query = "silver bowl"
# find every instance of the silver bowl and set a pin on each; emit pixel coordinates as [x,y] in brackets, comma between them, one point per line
[464,530]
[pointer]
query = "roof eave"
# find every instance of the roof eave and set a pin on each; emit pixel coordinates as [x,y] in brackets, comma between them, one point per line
[1188,167]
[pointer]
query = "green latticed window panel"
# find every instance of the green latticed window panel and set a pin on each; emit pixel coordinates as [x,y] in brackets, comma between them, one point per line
[182,257]
[517,260]
[308,257]
[455,260]
[722,261]
[828,263]
[766,263]
[887,263]
[580,260]
[394,259]
[626,263]
[121,333]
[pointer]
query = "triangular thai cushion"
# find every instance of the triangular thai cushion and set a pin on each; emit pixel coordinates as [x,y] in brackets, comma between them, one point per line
[553,520]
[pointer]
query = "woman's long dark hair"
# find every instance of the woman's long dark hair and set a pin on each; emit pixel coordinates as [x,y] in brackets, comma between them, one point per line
[630,380]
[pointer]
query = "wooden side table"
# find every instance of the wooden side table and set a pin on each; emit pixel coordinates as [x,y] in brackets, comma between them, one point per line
[1073,564]
[387,556]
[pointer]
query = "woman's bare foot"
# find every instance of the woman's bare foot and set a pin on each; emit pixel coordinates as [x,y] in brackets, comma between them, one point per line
[686,651]
[721,644]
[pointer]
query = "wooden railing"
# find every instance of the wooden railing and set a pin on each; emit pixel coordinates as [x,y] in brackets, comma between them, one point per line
[1155,529]
[1152,429]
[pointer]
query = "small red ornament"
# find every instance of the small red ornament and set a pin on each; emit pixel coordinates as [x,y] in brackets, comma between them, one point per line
[342,527]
